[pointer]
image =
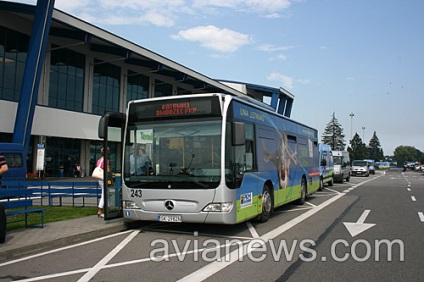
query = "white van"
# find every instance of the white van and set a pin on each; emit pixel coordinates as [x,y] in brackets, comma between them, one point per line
[341,166]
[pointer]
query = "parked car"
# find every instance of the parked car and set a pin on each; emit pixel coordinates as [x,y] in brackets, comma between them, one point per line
[360,167]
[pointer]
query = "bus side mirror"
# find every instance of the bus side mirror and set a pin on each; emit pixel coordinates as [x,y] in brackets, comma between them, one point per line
[101,129]
[238,133]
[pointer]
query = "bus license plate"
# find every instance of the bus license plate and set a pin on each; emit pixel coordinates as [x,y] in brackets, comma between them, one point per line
[170,218]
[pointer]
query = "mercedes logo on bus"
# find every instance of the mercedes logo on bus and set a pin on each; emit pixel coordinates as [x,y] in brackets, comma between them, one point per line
[169,205]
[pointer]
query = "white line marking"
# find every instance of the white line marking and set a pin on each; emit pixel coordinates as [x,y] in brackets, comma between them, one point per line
[421,216]
[413,199]
[408,189]
[212,268]
[312,205]
[93,271]
[64,248]
[252,230]
[333,190]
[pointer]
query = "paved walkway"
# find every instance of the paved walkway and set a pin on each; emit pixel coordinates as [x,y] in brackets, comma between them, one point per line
[29,241]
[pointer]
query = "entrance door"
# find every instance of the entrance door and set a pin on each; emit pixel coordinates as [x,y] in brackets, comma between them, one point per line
[111,130]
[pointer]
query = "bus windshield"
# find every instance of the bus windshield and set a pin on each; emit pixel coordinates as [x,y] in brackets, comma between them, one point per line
[179,154]
[337,160]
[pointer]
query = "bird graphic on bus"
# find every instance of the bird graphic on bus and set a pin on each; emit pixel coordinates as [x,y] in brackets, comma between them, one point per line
[282,160]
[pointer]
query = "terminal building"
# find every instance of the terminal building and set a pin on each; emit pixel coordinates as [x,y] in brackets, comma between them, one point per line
[88,71]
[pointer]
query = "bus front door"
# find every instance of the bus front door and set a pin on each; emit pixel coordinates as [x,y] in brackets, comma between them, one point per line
[111,131]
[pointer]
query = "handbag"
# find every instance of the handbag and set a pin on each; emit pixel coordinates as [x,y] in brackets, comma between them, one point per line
[98,172]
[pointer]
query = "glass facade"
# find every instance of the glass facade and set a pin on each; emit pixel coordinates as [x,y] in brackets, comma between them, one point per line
[106,81]
[162,89]
[60,155]
[13,54]
[137,86]
[66,89]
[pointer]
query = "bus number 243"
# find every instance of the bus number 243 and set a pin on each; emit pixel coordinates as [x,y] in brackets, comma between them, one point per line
[136,193]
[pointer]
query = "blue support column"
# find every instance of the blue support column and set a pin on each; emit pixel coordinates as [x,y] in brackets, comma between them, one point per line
[274,100]
[289,105]
[32,74]
[282,105]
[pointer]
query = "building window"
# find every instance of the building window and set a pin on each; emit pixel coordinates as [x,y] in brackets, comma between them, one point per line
[13,54]
[137,86]
[66,89]
[162,89]
[60,156]
[106,81]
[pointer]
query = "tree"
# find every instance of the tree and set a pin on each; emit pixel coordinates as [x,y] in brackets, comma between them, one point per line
[407,154]
[333,134]
[374,149]
[357,149]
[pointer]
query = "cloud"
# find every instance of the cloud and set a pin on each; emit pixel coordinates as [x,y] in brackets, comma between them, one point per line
[252,6]
[273,48]
[160,13]
[126,12]
[285,80]
[212,37]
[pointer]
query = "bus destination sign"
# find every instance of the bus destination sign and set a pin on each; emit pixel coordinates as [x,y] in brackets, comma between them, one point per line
[171,109]
[175,108]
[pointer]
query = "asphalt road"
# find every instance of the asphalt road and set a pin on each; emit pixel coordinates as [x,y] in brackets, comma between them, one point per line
[367,229]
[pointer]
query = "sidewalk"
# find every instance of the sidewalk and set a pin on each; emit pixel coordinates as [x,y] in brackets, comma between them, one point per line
[29,241]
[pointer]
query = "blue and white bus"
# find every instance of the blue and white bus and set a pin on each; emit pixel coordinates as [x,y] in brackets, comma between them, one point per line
[212,158]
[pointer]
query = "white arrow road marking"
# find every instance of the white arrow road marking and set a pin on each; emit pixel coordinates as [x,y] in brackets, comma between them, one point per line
[358,227]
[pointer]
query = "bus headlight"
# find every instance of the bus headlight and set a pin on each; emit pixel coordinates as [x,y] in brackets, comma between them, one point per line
[130,205]
[219,207]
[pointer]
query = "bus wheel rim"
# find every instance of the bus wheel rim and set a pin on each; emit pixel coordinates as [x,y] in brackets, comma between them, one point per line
[266,202]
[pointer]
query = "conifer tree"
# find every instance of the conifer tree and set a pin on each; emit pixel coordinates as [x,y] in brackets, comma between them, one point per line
[357,149]
[374,149]
[333,134]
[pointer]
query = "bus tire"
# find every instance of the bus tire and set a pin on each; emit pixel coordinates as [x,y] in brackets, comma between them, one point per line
[267,203]
[321,184]
[2,224]
[303,191]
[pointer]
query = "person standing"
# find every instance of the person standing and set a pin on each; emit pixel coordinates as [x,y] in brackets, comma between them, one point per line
[3,166]
[100,162]
[143,162]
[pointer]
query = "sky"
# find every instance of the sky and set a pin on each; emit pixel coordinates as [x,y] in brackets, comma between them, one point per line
[360,57]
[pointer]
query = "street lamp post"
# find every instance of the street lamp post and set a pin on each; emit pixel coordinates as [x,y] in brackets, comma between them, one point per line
[363,133]
[351,121]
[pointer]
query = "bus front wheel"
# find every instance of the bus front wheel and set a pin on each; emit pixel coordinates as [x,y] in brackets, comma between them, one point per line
[321,184]
[302,198]
[266,205]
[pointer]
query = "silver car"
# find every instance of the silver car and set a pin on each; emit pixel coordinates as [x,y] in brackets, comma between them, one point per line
[360,168]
